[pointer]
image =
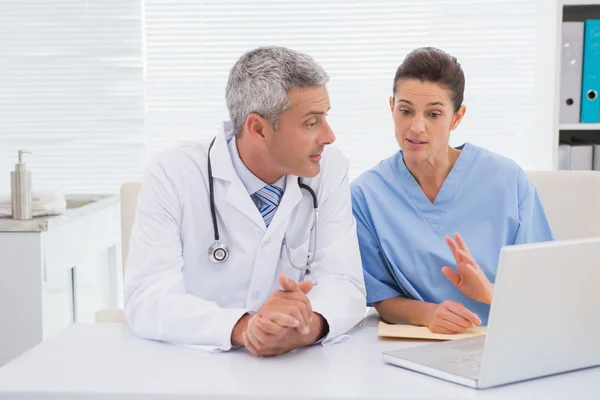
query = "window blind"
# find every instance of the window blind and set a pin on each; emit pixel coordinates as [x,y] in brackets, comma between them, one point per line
[95,87]
[72,92]
[192,44]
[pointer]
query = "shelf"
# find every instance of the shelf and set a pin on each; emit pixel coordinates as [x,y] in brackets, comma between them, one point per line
[579,127]
[579,3]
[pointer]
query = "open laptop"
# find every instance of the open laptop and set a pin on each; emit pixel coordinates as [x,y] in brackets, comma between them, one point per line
[544,320]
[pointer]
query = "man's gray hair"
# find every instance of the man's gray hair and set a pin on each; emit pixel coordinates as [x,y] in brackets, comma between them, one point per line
[261,79]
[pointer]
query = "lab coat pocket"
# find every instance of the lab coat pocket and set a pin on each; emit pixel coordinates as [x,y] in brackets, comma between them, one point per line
[294,256]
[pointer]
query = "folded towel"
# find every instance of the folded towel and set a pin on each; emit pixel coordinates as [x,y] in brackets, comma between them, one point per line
[43,202]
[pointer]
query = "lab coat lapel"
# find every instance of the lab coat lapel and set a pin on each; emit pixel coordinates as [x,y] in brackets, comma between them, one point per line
[291,198]
[236,194]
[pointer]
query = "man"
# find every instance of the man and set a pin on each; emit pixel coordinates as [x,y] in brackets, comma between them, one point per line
[253,266]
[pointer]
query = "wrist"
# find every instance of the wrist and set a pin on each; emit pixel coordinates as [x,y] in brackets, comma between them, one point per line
[319,328]
[238,330]
[489,293]
[425,314]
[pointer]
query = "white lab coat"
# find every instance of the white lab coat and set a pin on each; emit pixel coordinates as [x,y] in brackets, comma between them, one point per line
[174,293]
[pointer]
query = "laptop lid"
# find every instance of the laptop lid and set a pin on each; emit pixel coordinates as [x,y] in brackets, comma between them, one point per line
[545,313]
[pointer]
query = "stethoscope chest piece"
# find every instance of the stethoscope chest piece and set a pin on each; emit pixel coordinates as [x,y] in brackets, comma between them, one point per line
[218,252]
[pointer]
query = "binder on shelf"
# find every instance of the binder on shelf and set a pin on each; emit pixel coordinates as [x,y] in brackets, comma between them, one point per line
[582,156]
[590,89]
[571,69]
[564,156]
[596,157]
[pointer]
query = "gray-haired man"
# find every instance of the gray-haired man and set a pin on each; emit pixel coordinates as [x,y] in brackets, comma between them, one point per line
[226,248]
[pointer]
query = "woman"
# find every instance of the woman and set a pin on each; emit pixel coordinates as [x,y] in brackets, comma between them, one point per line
[416,210]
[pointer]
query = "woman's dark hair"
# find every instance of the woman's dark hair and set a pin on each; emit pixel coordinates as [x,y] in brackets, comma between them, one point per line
[429,64]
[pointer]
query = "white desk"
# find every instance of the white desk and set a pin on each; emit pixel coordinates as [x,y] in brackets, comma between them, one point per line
[106,361]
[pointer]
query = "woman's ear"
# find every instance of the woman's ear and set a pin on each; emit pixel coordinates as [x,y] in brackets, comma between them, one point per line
[458,116]
[392,103]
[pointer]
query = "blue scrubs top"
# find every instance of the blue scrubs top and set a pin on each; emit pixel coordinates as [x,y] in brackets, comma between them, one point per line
[486,198]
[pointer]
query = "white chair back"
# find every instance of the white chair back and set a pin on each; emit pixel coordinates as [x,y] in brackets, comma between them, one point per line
[129,197]
[571,200]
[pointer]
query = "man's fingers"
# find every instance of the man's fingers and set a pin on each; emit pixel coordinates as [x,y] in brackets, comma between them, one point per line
[305,286]
[295,310]
[257,333]
[287,284]
[282,319]
[248,344]
[292,301]
[302,315]
[295,295]
[252,336]
[299,300]
[306,311]
[462,311]
[451,275]
[269,327]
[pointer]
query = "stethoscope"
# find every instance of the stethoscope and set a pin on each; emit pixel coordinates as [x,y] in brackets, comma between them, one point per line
[218,252]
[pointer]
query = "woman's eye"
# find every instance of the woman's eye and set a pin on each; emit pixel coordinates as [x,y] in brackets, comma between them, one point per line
[311,124]
[404,111]
[435,114]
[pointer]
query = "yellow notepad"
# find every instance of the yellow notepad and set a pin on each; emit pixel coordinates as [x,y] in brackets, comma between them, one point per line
[423,332]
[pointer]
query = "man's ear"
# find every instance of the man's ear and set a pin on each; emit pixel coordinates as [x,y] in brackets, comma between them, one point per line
[255,126]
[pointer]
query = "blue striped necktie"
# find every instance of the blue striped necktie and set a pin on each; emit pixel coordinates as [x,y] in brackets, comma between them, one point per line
[269,197]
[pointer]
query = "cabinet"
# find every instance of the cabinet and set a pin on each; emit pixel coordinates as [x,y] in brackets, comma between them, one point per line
[57,270]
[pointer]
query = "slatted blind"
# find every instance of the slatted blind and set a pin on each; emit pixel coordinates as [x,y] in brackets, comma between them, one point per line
[192,44]
[94,87]
[72,92]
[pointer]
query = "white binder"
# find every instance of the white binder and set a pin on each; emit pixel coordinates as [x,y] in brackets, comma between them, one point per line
[564,156]
[571,69]
[582,156]
[597,157]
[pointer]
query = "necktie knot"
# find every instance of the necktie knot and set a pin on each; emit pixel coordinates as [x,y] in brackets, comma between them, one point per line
[269,196]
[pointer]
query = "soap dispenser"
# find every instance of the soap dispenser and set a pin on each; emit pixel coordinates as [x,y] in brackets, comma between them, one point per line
[20,181]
